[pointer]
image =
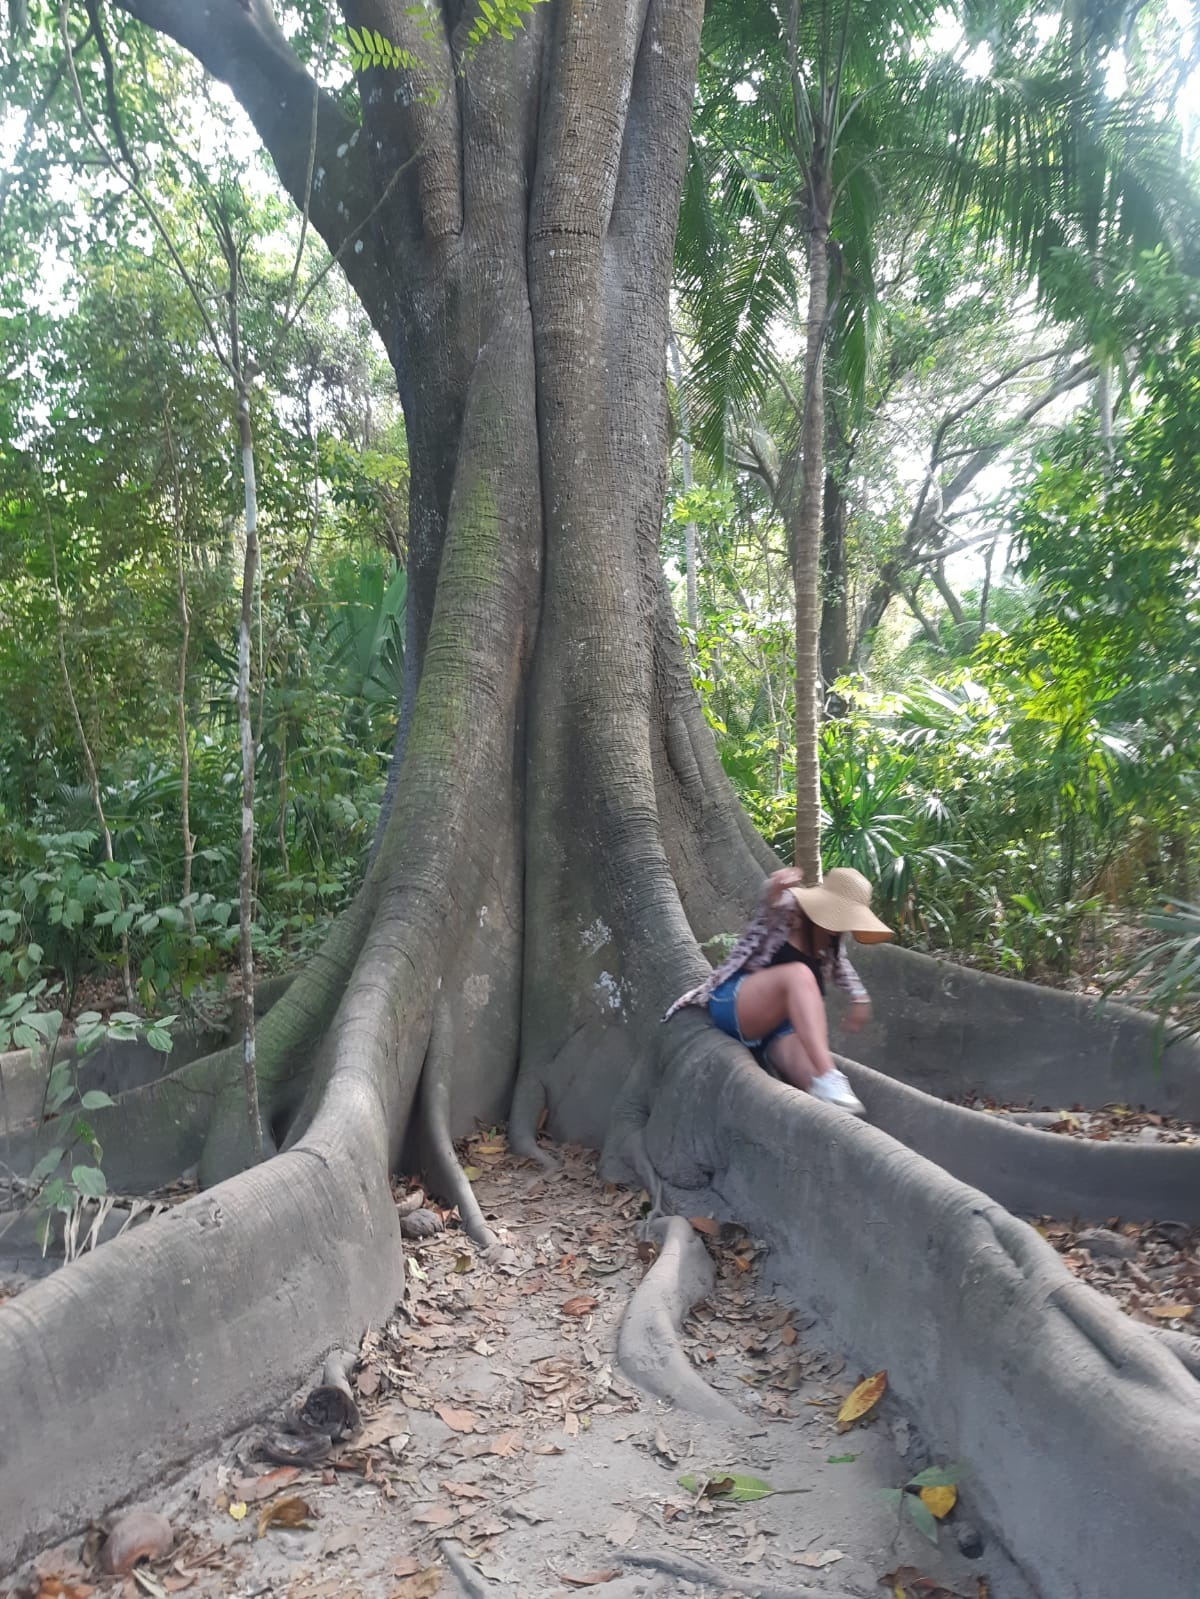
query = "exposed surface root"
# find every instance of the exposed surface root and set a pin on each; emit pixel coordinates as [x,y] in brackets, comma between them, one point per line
[473,1584]
[1185,1348]
[1030,1171]
[528,1106]
[444,1168]
[860,1223]
[494,1415]
[699,1572]
[649,1347]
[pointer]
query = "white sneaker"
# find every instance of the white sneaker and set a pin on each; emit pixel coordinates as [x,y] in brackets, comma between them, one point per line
[834,1087]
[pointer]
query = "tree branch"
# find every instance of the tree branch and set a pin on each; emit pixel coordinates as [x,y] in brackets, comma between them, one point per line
[240,42]
[110,83]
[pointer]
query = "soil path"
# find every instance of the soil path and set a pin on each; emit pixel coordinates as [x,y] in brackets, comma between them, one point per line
[503,1453]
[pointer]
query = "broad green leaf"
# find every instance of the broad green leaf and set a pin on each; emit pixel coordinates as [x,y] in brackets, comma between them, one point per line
[90,1181]
[922,1517]
[46,1165]
[936,1477]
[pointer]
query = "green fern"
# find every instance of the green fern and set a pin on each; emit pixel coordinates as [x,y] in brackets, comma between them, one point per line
[369,48]
[500,16]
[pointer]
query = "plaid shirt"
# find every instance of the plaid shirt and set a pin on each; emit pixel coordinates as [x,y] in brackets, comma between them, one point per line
[775,920]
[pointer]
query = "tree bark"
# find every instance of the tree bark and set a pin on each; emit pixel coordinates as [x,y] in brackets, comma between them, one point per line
[247,741]
[185,628]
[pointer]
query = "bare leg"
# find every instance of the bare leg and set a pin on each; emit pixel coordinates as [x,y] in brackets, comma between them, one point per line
[787,994]
[791,1060]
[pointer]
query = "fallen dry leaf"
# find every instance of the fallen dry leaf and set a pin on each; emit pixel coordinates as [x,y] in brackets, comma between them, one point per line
[253,1489]
[436,1516]
[623,1530]
[571,1424]
[457,1420]
[590,1579]
[579,1306]
[465,1490]
[906,1582]
[940,1501]
[142,1579]
[818,1559]
[788,1335]
[421,1585]
[295,1512]
[57,1588]
[705,1224]
[1169,1312]
[238,1510]
[137,1535]
[665,1448]
[862,1398]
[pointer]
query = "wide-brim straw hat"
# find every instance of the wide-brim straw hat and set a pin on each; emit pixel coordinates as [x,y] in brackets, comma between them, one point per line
[842,904]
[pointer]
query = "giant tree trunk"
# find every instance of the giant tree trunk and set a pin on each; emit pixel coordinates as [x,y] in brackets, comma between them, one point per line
[560,830]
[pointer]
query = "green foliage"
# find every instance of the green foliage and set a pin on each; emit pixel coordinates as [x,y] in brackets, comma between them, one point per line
[1166,974]
[499,16]
[70,1172]
[369,48]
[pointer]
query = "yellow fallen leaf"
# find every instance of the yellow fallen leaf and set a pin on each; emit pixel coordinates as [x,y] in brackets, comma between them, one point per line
[864,1397]
[940,1501]
[238,1510]
[1170,1312]
[471,1173]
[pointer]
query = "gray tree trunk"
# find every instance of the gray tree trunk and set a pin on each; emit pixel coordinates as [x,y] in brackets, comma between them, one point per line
[558,830]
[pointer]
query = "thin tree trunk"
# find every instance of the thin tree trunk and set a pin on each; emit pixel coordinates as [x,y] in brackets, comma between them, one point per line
[985,592]
[685,457]
[835,631]
[246,735]
[1104,402]
[952,603]
[806,552]
[88,759]
[185,627]
[930,631]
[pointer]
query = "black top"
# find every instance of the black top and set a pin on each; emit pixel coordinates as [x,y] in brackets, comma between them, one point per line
[786,953]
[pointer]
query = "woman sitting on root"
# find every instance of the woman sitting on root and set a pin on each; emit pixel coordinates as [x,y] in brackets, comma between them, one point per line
[770,991]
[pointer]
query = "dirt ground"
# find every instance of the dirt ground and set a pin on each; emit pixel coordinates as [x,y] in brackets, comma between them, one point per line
[500,1438]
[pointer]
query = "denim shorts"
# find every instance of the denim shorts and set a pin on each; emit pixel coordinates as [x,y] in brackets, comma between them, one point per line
[722,1009]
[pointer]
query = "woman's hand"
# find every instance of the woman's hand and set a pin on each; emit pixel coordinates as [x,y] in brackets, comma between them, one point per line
[786,877]
[858,1014]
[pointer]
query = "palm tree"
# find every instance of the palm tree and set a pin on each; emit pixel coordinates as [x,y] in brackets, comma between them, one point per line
[828,119]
